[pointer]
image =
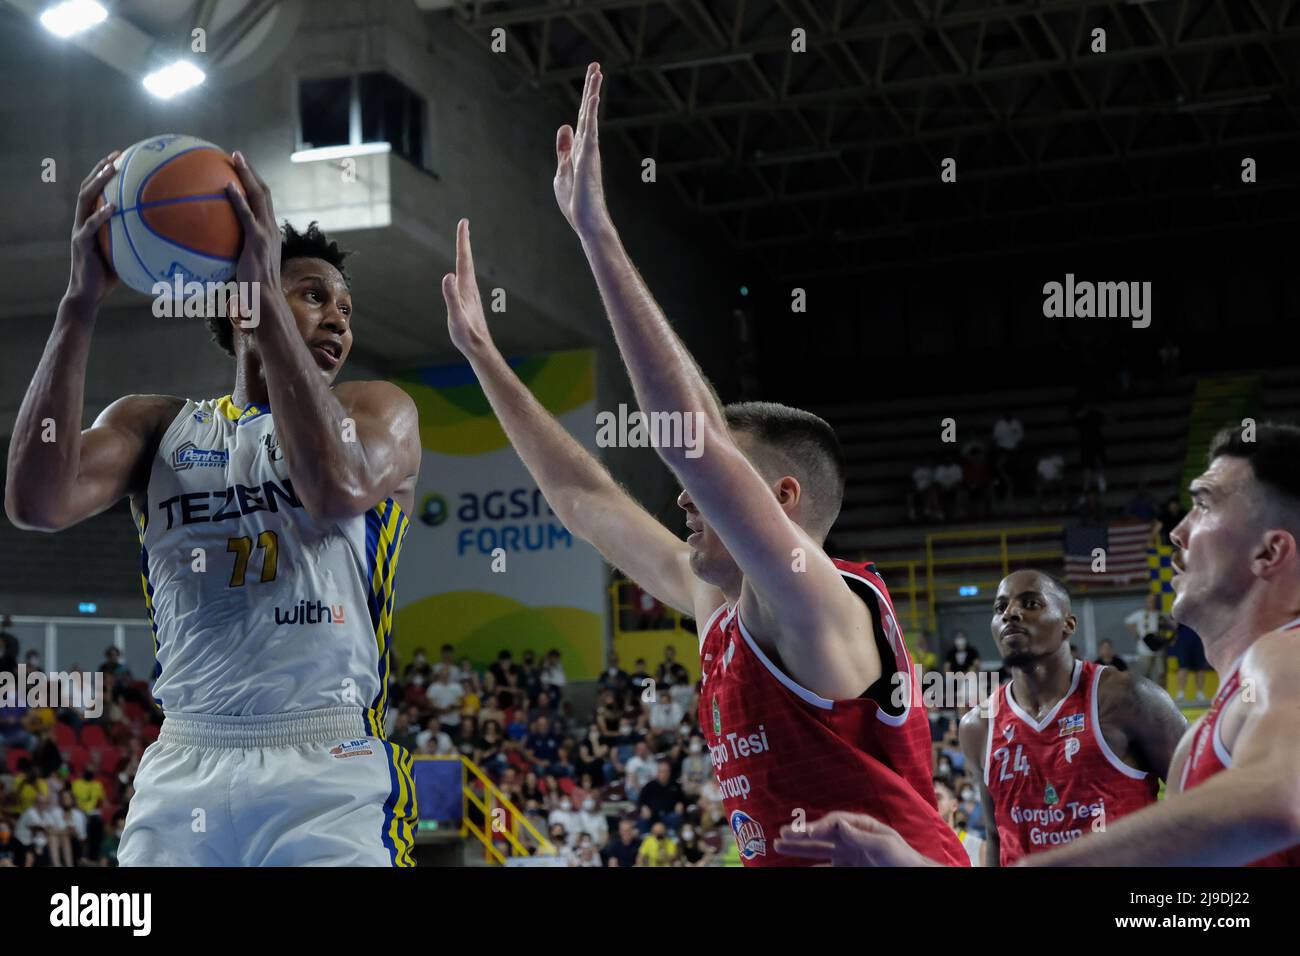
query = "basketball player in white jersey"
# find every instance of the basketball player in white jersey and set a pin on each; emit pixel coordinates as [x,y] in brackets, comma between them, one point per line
[270,522]
[1233,797]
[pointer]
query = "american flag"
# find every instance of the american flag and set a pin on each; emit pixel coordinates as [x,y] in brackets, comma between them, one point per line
[1125,547]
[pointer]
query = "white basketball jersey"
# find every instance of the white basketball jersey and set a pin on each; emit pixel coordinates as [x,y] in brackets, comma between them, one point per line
[278,612]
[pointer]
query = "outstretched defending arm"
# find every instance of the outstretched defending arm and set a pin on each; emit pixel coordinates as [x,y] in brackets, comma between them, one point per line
[578,488]
[793,595]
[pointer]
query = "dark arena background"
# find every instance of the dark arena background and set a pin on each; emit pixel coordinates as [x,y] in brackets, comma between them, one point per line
[1025,257]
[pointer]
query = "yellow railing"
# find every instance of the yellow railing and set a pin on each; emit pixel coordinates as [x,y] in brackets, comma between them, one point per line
[496,809]
[1001,559]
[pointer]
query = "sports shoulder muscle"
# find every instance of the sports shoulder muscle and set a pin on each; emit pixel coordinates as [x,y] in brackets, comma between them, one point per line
[393,420]
[117,451]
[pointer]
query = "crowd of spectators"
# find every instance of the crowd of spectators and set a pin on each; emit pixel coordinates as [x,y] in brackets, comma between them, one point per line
[65,775]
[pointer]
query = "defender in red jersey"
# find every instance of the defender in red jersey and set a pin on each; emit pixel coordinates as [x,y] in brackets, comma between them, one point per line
[1066,747]
[1234,784]
[799,684]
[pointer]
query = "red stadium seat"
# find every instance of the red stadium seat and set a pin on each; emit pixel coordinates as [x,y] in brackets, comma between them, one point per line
[76,757]
[110,758]
[13,756]
[149,732]
[132,710]
[92,736]
[64,736]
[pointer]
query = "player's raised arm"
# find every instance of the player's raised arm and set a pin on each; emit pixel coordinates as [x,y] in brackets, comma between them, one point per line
[972,735]
[345,449]
[57,473]
[793,593]
[1238,816]
[582,493]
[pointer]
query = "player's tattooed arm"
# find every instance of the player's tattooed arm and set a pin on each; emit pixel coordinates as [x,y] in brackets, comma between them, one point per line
[971,734]
[794,596]
[579,489]
[1239,815]
[346,449]
[1138,711]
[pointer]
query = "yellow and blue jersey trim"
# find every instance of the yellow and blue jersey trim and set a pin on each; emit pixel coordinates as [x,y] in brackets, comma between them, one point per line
[142,521]
[400,807]
[239,416]
[386,527]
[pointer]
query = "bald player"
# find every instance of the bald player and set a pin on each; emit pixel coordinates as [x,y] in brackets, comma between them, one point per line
[1067,746]
[1234,783]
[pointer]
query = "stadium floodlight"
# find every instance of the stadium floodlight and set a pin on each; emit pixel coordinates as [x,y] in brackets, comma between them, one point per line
[338,152]
[174,79]
[73,17]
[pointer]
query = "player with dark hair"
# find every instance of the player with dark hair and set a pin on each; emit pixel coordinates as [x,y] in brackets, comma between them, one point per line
[1066,747]
[268,551]
[1234,782]
[807,701]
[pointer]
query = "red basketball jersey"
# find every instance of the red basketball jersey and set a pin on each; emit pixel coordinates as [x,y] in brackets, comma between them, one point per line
[1056,779]
[783,754]
[1208,755]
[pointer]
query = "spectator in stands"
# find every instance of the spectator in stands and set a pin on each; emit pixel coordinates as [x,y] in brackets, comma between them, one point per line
[542,745]
[568,818]
[1051,482]
[88,791]
[1092,508]
[666,672]
[948,807]
[649,612]
[666,713]
[624,848]
[403,734]
[1151,641]
[445,696]
[509,677]
[586,853]
[45,755]
[68,832]
[1106,655]
[922,653]
[658,849]
[1171,515]
[531,675]
[112,840]
[39,816]
[13,728]
[38,849]
[640,770]
[1008,433]
[1192,665]
[593,756]
[614,679]
[663,795]
[712,810]
[696,767]
[33,660]
[923,498]
[691,851]
[489,748]
[1088,419]
[419,671]
[961,657]
[449,661]
[544,707]
[553,677]
[947,479]
[977,479]
[494,703]
[531,793]
[11,854]
[591,822]
[112,664]
[640,677]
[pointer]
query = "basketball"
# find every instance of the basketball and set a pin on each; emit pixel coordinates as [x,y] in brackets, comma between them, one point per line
[172,217]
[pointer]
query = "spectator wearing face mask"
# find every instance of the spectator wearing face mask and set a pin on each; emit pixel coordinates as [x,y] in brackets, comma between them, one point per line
[950,810]
[38,850]
[419,671]
[591,822]
[691,851]
[658,849]
[615,680]
[89,794]
[961,658]
[565,816]
[68,832]
[586,854]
